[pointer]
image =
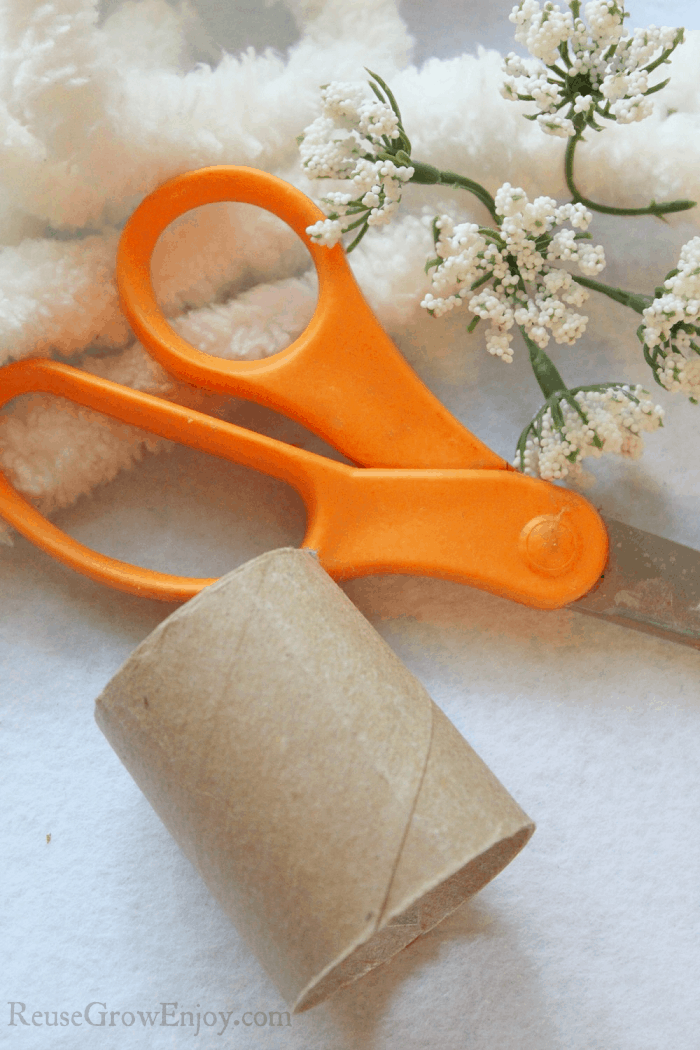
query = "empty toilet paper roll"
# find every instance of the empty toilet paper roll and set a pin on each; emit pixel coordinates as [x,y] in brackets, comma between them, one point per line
[331,808]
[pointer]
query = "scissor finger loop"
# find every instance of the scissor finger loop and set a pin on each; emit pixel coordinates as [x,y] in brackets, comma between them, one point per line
[343,378]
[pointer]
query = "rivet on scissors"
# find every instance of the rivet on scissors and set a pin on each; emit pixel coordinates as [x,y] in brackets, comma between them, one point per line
[548,544]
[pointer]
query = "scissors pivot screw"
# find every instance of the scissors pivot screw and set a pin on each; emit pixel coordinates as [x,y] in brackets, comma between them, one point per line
[548,544]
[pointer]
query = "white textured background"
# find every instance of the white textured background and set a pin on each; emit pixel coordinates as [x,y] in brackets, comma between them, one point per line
[588,941]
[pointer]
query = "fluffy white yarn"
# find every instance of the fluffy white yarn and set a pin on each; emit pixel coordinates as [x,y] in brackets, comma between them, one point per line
[93,117]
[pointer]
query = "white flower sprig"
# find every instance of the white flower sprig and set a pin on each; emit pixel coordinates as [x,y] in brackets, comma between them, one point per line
[585,421]
[670,334]
[509,275]
[361,139]
[584,71]
[516,273]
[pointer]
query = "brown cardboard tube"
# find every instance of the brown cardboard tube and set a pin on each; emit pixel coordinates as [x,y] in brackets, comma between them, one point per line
[332,809]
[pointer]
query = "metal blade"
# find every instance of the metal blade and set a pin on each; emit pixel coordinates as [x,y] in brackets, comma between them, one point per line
[650,584]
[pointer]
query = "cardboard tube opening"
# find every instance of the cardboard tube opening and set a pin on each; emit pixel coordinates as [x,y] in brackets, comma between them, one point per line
[332,809]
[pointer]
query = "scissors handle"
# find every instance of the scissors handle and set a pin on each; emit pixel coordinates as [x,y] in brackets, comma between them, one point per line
[497,530]
[343,378]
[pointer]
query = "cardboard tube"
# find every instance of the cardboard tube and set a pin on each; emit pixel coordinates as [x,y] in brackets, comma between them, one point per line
[331,808]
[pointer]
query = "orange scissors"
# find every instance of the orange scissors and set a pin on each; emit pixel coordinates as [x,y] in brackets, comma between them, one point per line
[427,497]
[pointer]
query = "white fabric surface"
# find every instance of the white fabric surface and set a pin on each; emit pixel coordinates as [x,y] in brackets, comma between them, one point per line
[588,941]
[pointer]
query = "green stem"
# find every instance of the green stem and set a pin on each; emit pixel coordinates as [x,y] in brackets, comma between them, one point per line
[679,39]
[636,301]
[654,208]
[548,377]
[426,175]
[357,240]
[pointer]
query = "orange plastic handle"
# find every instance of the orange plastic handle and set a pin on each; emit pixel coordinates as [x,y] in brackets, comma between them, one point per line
[497,530]
[343,378]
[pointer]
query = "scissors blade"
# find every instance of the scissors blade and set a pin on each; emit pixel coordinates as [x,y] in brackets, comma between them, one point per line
[650,584]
